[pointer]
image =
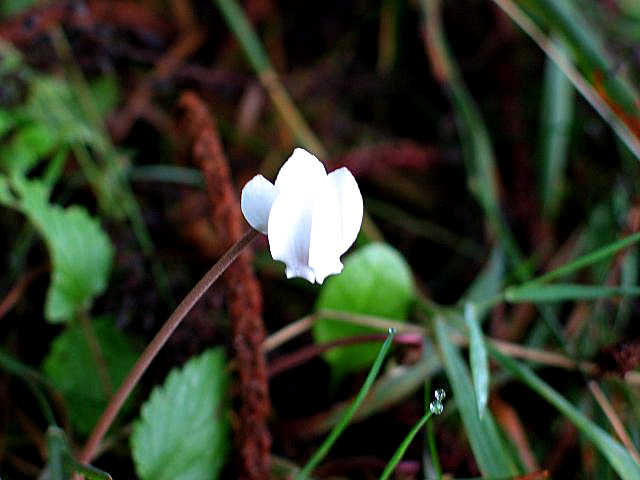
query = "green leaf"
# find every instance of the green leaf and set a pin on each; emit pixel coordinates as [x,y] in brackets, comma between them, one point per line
[491,455]
[78,370]
[61,465]
[478,358]
[183,430]
[376,280]
[80,251]
[28,146]
[611,449]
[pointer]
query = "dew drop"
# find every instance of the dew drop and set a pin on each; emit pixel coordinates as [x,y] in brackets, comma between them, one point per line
[436,407]
[440,395]
[392,330]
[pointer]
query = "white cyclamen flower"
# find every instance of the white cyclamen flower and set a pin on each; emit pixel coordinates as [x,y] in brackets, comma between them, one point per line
[311,218]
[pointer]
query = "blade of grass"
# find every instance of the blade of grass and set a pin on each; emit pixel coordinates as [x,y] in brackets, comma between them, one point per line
[491,455]
[614,419]
[246,36]
[566,20]
[435,460]
[259,60]
[560,292]
[399,453]
[619,459]
[323,450]
[478,358]
[387,391]
[555,123]
[589,92]
[586,260]
[478,153]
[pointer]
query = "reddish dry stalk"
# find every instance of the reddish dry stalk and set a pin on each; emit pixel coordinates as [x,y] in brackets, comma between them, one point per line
[244,294]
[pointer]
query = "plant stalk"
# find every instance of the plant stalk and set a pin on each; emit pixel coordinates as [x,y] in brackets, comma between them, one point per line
[108,416]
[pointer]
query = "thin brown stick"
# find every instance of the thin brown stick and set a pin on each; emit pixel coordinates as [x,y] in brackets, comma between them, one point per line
[96,352]
[508,348]
[305,354]
[614,419]
[12,297]
[88,452]
[287,333]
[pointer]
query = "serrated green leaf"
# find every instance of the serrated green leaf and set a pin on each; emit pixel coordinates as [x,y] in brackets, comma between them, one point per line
[490,453]
[376,280]
[80,251]
[78,371]
[478,358]
[613,451]
[183,430]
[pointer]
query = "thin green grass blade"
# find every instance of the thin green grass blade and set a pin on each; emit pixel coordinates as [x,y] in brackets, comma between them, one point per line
[478,358]
[490,280]
[399,453]
[323,450]
[586,260]
[566,20]
[560,292]
[596,76]
[387,391]
[476,144]
[491,455]
[555,123]
[617,456]
[259,60]
[433,451]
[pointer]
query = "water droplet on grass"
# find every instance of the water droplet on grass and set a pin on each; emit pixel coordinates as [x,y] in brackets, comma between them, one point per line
[436,407]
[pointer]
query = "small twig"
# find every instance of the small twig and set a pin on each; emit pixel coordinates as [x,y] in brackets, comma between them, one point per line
[12,297]
[287,333]
[614,419]
[305,354]
[96,352]
[508,348]
[303,324]
[116,402]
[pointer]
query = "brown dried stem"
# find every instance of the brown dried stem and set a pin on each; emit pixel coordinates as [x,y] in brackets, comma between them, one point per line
[116,402]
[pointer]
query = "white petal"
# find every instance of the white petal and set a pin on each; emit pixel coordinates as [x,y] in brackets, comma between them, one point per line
[256,201]
[351,208]
[301,171]
[289,232]
[326,233]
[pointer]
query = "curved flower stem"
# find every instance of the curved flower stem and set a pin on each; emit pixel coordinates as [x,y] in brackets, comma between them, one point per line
[116,402]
